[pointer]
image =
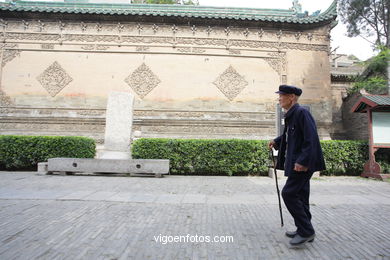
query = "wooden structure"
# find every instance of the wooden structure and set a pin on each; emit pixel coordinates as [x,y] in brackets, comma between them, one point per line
[377,108]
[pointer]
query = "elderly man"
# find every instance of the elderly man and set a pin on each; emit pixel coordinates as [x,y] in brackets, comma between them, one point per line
[299,155]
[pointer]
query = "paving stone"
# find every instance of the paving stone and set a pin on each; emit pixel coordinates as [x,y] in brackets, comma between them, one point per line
[97,217]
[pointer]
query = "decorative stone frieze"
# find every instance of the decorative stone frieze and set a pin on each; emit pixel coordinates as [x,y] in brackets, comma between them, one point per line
[50,26]
[88,47]
[5,101]
[120,27]
[234,52]
[61,25]
[260,33]
[139,28]
[209,30]
[279,34]
[98,27]
[10,51]
[246,32]
[191,50]
[194,29]
[274,63]
[127,39]
[230,83]
[142,48]
[91,47]
[227,31]
[277,61]
[155,28]
[54,79]
[142,80]
[41,25]
[25,25]
[174,29]
[47,46]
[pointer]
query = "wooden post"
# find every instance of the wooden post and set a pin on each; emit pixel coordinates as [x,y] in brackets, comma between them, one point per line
[371,167]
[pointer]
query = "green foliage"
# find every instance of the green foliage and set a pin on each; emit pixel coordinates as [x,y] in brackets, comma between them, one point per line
[243,157]
[190,2]
[24,152]
[373,85]
[344,157]
[376,82]
[382,156]
[206,157]
[378,64]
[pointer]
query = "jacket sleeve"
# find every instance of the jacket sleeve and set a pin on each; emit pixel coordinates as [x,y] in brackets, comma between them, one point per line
[310,136]
[277,141]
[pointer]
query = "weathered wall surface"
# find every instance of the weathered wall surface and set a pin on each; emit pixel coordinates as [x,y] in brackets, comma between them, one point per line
[355,124]
[189,82]
[339,93]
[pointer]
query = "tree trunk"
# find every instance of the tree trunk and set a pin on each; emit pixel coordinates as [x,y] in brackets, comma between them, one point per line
[388,77]
[388,47]
[388,70]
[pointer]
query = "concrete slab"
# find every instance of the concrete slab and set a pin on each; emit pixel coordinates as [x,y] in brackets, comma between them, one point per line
[141,166]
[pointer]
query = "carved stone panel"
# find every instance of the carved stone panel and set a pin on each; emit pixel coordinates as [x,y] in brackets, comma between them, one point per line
[230,83]
[54,79]
[4,99]
[142,80]
[10,51]
[277,62]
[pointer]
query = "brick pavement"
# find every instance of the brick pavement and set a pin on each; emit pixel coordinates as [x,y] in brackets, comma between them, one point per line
[94,217]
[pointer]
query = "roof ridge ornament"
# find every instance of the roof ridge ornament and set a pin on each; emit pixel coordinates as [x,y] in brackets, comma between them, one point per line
[297,7]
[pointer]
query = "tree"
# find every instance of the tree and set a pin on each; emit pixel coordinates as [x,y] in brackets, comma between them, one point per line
[370,18]
[367,18]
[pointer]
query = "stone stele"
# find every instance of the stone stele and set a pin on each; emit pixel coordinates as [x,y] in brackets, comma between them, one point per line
[119,118]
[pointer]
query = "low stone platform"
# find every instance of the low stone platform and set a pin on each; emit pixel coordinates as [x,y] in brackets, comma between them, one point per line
[132,167]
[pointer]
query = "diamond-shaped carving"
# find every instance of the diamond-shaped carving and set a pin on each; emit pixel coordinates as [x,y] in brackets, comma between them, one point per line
[142,80]
[54,79]
[230,83]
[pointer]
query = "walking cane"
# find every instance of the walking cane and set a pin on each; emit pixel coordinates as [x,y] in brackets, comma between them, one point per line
[277,187]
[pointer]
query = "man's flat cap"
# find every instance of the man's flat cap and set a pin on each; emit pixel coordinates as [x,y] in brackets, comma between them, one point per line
[286,89]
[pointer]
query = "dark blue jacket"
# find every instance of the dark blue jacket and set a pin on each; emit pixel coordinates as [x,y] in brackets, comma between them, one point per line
[303,144]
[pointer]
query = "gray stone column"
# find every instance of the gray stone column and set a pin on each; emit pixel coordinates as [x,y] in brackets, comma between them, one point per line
[119,119]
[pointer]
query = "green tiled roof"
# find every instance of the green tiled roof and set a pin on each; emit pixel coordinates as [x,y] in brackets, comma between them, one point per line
[371,101]
[204,12]
[380,100]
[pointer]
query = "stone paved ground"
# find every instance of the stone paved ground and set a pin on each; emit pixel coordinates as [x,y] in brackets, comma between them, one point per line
[98,217]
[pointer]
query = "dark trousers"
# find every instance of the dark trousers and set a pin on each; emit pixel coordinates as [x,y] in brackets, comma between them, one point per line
[296,194]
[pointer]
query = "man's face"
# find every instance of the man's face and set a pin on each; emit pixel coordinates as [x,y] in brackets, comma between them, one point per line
[286,100]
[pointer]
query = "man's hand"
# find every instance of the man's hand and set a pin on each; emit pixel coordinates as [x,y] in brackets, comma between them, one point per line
[271,144]
[300,168]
